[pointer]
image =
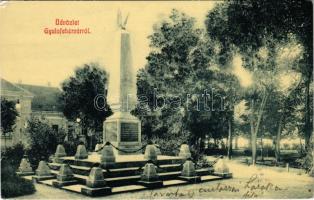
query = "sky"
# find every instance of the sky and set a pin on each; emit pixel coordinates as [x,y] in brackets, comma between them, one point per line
[32,57]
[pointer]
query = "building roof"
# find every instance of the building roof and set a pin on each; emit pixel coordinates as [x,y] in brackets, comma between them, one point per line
[45,98]
[7,86]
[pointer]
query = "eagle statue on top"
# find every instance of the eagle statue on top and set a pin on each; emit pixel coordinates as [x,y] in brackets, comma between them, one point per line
[122,25]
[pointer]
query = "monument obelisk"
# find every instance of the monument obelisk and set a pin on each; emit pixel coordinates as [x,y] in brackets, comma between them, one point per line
[122,129]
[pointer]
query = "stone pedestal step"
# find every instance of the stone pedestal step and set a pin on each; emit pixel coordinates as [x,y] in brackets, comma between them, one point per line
[118,172]
[77,188]
[122,161]
[127,188]
[174,182]
[133,179]
[48,182]
[210,178]
[74,188]
[36,178]
[29,177]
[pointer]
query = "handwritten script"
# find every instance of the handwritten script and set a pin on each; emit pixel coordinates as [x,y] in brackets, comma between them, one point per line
[254,187]
[257,185]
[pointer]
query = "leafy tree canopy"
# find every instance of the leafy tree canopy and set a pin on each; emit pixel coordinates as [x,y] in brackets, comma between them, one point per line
[180,68]
[8,115]
[79,92]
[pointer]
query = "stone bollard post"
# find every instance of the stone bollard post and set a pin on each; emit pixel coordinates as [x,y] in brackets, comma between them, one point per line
[65,177]
[81,152]
[25,167]
[221,169]
[185,151]
[96,184]
[43,169]
[43,172]
[96,178]
[60,152]
[150,177]
[108,158]
[150,152]
[188,172]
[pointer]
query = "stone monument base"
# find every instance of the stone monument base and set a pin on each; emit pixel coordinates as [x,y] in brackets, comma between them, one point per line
[96,191]
[59,184]
[123,130]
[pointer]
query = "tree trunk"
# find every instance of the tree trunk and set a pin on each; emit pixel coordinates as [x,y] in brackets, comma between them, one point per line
[301,146]
[277,143]
[253,144]
[254,130]
[307,125]
[229,139]
[262,150]
[253,136]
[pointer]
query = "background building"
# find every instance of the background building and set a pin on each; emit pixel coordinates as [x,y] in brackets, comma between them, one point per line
[32,101]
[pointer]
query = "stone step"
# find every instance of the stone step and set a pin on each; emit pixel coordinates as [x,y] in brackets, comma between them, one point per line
[132,187]
[174,182]
[130,183]
[210,178]
[127,188]
[74,188]
[120,163]
[133,179]
[117,172]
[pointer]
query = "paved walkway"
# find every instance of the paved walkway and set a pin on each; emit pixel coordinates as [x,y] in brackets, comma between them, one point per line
[248,182]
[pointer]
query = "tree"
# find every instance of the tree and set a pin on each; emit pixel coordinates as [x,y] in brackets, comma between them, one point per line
[8,115]
[79,93]
[182,76]
[250,26]
[166,75]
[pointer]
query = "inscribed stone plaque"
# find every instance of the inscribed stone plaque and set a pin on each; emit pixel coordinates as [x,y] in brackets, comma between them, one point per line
[111,131]
[129,132]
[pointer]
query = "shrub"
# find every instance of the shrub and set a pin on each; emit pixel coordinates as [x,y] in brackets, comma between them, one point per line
[13,155]
[267,151]
[296,146]
[168,146]
[11,184]
[248,152]
[286,146]
[215,151]
[306,162]
[43,140]
[71,146]
[16,187]
[202,162]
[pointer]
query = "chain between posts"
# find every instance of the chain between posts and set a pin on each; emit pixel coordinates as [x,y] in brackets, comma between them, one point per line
[121,150]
